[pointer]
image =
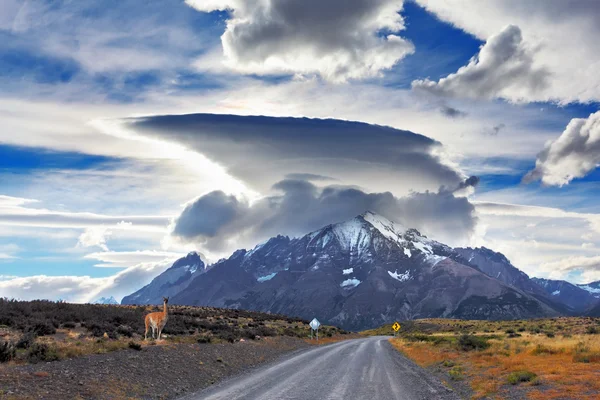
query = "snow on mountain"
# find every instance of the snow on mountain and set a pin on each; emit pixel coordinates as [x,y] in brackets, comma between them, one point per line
[357,274]
[106,300]
[592,288]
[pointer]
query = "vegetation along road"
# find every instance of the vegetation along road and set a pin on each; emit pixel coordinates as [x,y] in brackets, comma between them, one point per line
[359,369]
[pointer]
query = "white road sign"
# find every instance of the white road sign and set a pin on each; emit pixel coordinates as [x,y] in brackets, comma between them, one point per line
[315,324]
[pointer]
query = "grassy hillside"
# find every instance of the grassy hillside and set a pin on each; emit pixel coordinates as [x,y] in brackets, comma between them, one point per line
[556,358]
[48,331]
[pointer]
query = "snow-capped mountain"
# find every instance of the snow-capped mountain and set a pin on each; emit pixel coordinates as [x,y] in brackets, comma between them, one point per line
[592,288]
[106,300]
[575,297]
[170,282]
[357,274]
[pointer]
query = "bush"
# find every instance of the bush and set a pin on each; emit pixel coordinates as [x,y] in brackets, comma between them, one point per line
[550,334]
[541,349]
[470,342]
[591,330]
[456,373]
[7,351]
[135,346]
[124,330]
[26,340]
[39,352]
[42,329]
[69,325]
[203,339]
[517,377]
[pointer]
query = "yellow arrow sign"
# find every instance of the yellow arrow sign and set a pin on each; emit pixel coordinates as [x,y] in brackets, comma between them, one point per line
[396,326]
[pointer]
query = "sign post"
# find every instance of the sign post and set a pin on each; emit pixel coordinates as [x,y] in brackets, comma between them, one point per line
[396,327]
[314,325]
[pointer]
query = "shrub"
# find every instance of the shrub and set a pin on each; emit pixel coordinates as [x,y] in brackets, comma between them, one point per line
[69,325]
[550,334]
[41,352]
[135,346]
[26,340]
[470,342]
[541,349]
[591,330]
[204,339]
[42,329]
[7,351]
[456,373]
[517,377]
[124,330]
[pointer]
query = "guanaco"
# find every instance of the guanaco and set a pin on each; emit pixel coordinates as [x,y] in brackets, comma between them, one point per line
[157,321]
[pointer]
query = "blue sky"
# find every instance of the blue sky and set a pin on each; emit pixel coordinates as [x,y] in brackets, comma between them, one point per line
[89,196]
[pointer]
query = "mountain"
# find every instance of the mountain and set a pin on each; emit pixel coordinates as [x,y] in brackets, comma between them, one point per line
[106,300]
[496,265]
[571,295]
[356,274]
[169,283]
[592,288]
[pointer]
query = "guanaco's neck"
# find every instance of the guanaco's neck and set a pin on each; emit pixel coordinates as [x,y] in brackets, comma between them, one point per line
[165,308]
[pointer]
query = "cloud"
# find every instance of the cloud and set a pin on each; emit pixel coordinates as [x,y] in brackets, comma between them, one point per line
[452,112]
[497,128]
[126,259]
[299,207]
[13,213]
[574,154]
[563,34]
[81,289]
[351,152]
[94,237]
[337,40]
[503,68]
[588,268]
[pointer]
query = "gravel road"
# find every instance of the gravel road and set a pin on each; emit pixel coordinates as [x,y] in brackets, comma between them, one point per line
[368,369]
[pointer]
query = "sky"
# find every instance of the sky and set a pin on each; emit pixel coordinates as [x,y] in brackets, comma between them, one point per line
[134,132]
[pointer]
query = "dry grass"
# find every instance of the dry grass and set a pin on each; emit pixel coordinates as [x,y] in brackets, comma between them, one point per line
[567,364]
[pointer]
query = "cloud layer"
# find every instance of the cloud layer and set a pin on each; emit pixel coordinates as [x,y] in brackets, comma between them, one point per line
[336,39]
[574,154]
[219,222]
[81,289]
[503,68]
[262,150]
[563,33]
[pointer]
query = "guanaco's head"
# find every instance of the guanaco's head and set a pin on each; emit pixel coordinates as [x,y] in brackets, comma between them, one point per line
[166,300]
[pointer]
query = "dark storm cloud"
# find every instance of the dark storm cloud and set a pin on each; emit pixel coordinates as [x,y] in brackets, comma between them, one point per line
[300,207]
[262,150]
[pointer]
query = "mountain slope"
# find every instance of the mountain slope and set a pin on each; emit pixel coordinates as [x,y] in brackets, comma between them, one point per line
[497,266]
[571,295]
[357,274]
[169,283]
[592,288]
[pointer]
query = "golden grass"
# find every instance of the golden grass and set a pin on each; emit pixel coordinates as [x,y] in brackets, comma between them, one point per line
[566,366]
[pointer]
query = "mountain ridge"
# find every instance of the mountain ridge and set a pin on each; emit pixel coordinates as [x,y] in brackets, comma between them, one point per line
[358,273]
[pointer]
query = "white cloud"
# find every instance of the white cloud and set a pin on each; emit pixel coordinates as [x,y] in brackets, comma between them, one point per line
[125,259]
[337,39]
[503,68]
[564,34]
[94,237]
[538,239]
[17,215]
[81,289]
[574,154]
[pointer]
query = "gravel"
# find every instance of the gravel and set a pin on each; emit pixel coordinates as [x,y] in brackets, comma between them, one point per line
[156,372]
